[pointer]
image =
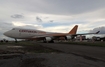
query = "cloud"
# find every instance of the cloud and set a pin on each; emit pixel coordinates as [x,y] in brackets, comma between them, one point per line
[31,27]
[59,28]
[68,7]
[27,25]
[51,20]
[101,29]
[56,15]
[17,16]
[5,26]
[59,7]
[38,19]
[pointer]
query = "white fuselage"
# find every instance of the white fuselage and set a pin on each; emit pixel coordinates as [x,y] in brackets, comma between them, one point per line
[24,33]
[19,33]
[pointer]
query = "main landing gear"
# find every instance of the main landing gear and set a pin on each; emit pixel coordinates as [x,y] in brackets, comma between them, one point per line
[15,40]
[44,41]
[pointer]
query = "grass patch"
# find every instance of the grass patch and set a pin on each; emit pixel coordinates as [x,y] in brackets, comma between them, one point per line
[2,43]
[35,47]
[31,47]
[98,44]
[18,43]
[39,49]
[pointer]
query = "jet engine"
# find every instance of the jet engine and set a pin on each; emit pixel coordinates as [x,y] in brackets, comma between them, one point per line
[68,37]
[48,38]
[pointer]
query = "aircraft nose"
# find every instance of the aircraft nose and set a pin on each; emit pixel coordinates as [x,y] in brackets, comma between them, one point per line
[8,34]
[5,33]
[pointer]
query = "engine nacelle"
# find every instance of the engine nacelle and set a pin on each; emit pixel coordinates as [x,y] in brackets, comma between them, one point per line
[48,38]
[68,37]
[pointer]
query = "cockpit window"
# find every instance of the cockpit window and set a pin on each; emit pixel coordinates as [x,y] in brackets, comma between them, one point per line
[13,29]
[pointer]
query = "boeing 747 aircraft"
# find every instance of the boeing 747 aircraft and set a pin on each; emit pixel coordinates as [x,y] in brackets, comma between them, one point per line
[19,33]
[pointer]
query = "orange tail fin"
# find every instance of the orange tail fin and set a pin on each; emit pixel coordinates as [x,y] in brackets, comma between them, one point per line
[74,30]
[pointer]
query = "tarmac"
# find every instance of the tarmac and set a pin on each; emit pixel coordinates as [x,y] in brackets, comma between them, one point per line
[70,56]
[92,52]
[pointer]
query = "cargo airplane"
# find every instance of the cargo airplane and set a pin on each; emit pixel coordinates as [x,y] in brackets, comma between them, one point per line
[19,33]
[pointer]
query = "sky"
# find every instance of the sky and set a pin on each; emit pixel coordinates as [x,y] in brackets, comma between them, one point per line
[52,15]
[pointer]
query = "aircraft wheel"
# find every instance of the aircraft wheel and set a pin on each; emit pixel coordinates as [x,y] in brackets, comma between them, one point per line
[52,41]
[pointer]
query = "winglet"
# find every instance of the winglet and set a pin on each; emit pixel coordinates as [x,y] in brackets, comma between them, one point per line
[74,30]
[97,32]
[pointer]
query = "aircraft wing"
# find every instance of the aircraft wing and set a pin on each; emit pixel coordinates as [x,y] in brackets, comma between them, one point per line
[57,35]
[65,34]
[89,33]
[54,36]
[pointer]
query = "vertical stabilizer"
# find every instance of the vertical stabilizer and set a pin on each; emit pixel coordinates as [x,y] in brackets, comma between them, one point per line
[74,30]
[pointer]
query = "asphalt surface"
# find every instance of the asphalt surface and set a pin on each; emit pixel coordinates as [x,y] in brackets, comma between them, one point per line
[89,52]
[70,56]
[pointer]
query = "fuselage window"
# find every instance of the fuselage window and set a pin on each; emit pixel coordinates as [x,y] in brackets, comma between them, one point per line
[34,31]
[28,31]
